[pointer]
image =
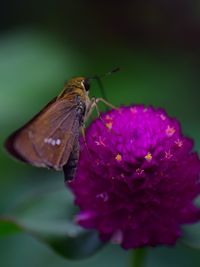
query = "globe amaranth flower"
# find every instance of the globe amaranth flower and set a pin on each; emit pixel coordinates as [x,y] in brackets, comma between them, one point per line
[138,178]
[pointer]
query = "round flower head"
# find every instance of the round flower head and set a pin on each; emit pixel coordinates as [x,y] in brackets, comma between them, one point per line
[137,178]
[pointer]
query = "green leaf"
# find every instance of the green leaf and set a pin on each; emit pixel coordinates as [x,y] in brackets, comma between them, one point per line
[191,236]
[8,227]
[66,238]
[83,245]
[47,214]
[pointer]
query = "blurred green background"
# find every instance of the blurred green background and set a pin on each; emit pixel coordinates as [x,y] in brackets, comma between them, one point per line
[156,43]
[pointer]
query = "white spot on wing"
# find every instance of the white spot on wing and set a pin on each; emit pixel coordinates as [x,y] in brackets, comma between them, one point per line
[52,141]
[58,142]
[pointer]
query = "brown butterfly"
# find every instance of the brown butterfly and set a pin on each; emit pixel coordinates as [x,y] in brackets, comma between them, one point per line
[51,138]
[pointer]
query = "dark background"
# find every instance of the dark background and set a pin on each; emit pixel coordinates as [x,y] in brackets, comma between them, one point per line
[156,43]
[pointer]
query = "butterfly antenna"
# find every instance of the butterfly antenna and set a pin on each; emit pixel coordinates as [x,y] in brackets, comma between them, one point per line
[109,73]
[99,77]
[103,93]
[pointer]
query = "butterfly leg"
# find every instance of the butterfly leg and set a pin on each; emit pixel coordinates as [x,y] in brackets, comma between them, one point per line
[94,104]
[82,128]
[98,112]
[97,109]
[105,102]
[90,109]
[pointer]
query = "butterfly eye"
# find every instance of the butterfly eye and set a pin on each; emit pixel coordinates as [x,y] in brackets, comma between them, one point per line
[86,84]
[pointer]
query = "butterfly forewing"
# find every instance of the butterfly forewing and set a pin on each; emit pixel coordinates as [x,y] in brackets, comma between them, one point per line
[48,139]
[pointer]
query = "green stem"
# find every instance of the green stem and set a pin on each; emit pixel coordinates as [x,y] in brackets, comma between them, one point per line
[138,257]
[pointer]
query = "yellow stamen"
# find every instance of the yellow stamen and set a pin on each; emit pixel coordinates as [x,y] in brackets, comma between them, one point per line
[170,131]
[148,156]
[118,157]
[109,125]
[108,118]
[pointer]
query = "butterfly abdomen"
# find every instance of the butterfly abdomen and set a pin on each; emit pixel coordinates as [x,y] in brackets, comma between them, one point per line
[71,166]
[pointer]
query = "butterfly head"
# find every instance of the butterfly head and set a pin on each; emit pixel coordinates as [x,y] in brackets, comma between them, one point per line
[79,82]
[76,86]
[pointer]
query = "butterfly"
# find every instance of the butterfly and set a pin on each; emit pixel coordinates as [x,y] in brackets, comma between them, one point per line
[51,138]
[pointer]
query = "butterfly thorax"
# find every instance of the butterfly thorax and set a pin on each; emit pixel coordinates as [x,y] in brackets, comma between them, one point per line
[73,88]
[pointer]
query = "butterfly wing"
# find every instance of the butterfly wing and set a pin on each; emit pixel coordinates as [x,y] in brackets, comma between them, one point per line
[48,139]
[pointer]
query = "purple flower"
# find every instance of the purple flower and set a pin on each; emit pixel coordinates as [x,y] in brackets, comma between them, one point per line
[137,184]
